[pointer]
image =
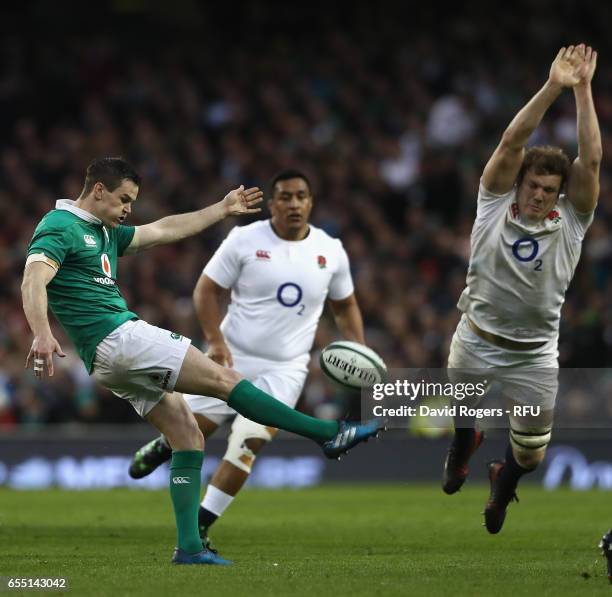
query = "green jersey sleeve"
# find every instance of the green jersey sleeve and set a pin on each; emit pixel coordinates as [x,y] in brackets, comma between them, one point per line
[125,234]
[54,242]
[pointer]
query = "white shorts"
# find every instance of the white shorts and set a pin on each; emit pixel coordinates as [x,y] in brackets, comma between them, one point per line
[283,381]
[526,376]
[140,363]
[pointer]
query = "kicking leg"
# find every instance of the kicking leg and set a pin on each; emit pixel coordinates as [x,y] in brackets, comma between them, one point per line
[201,375]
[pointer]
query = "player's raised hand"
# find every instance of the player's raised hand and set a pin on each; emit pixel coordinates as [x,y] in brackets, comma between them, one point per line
[586,69]
[567,67]
[241,201]
[41,354]
[220,353]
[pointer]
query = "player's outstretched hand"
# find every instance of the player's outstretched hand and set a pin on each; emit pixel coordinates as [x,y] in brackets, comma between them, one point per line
[220,353]
[586,69]
[241,201]
[41,354]
[567,68]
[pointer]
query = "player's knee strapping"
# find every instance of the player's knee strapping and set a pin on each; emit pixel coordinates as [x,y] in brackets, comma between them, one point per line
[529,443]
[238,453]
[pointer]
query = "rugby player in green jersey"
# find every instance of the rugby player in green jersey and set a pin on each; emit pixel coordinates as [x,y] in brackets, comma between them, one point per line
[72,268]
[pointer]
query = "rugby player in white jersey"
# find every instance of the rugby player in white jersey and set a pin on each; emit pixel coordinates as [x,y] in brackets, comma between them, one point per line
[280,271]
[533,211]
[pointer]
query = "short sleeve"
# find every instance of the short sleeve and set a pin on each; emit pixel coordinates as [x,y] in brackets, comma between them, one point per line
[577,223]
[485,195]
[125,234]
[490,204]
[224,266]
[54,242]
[341,284]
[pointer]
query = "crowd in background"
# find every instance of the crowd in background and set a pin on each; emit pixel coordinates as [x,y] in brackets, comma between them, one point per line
[392,118]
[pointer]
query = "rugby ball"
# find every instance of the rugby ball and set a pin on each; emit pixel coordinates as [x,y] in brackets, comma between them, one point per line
[352,365]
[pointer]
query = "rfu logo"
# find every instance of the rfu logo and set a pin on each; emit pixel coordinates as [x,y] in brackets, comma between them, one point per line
[181,480]
[261,254]
[90,241]
[106,266]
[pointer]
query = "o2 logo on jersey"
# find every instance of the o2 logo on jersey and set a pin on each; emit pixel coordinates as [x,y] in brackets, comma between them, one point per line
[526,249]
[290,294]
[106,266]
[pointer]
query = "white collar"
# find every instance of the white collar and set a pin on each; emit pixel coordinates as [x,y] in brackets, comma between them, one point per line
[68,205]
[284,240]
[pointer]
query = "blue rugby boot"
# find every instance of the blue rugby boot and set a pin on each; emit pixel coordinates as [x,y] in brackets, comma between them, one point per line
[204,557]
[349,435]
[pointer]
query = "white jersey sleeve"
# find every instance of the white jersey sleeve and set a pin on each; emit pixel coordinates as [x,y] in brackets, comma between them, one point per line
[224,266]
[489,203]
[577,223]
[341,284]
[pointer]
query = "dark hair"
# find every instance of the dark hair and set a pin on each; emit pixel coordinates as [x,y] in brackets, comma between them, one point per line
[111,172]
[545,159]
[288,175]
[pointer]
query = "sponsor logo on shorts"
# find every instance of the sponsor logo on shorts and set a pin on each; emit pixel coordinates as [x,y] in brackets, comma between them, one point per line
[90,241]
[181,480]
[164,383]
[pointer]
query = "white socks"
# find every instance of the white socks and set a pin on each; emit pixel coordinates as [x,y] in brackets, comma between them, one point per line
[216,501]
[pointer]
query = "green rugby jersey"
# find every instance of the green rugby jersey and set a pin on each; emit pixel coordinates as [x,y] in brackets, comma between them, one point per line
[83,295]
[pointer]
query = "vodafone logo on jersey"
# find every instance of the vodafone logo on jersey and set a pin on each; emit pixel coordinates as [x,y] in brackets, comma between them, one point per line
[106,266]
[261,254]
[107,280]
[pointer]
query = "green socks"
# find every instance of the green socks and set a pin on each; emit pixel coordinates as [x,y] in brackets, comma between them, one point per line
[260,407]
[185,471]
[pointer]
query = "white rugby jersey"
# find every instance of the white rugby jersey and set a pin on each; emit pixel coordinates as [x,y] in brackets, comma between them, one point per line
[519,272]
[278,288]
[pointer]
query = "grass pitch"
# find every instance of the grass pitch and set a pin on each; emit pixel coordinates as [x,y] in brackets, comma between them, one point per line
[333,540]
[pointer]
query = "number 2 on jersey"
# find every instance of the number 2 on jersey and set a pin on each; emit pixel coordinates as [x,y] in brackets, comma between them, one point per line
[526,249]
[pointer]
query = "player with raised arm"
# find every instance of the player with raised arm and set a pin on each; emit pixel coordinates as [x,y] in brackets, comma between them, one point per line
[533,211]
[280,272]
[71,267]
